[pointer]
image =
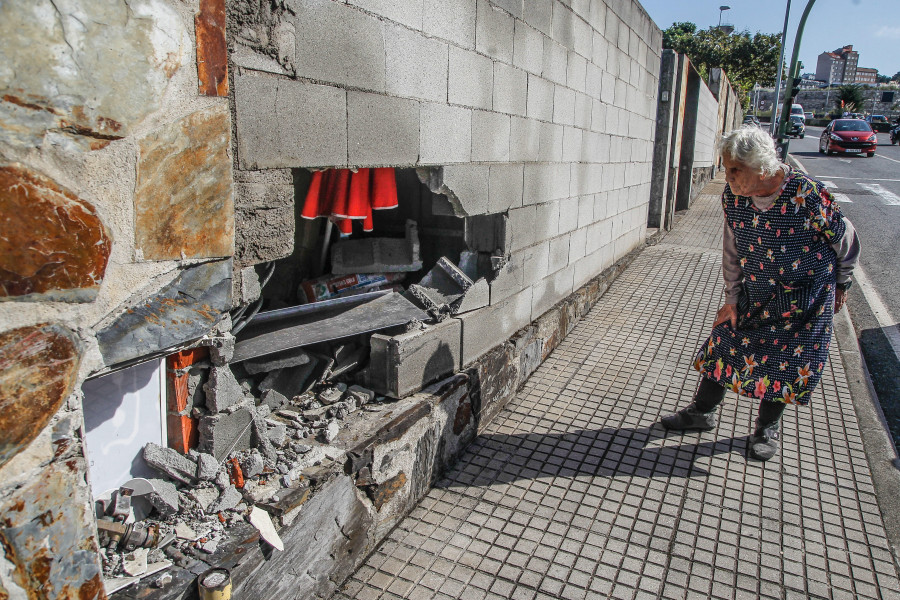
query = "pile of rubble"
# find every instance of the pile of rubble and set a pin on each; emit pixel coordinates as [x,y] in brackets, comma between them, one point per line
[183,516]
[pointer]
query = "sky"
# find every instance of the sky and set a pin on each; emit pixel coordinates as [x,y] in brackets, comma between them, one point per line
[871,26]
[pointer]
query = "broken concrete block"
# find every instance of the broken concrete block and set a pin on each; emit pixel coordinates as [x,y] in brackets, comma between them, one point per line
[403,364]
[332,394]
[330,433]
[227,500]
[315,414]
[291,381]
[250,288]
[221,349]
[378,255]
[260,436]
[277,433]
[477,296]
[273,399]
[203,496]
[362,395]
[183,531]
[255,492]
[280,360]
[442,288]
[170,462]
[253,465]
[222,389]
[164,497]
[207,466]
[223,434]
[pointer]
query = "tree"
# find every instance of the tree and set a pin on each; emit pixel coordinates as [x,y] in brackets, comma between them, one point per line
[882,79]
[896,77]
[745,59]
[850,98]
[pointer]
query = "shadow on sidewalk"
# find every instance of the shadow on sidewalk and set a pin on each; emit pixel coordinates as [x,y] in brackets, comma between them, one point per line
[607,452]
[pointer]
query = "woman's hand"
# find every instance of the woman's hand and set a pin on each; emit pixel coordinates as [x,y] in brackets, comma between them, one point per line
[727,314]
[840,296]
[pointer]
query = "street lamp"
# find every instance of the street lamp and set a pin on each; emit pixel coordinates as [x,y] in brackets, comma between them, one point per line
[721,10]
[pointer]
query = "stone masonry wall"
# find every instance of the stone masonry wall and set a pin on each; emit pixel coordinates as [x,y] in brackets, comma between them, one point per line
[116,239]
[541,110]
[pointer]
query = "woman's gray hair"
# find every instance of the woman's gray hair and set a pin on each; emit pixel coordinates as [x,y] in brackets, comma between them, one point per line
[753,147]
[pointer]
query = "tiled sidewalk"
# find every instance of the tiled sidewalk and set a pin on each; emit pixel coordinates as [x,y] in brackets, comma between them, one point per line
[575,491]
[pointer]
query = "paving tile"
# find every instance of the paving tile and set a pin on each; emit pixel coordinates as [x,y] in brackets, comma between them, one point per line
[595,500]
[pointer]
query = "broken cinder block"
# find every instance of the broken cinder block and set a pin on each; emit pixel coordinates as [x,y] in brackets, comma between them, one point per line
[171,463]
[378,255]
[222,389]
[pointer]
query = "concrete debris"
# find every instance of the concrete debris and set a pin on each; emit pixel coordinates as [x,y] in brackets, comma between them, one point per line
[222,389]
[221,348]
[253,464]
[207,466]
[183,531]
[210,546]
[227,500]
[280,360]
[257,491]
[273,399]
[261,520]
[164,497]
[221,434]
[277,432]
[332,394]
[260,436]
[291,381]
[203,496]
[170,463]
[378,255]
[330,433]
[135,563]
[222,481]
[362,395]
[477,296]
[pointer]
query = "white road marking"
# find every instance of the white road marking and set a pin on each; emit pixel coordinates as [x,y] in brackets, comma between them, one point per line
[888,325]
[846,160]
[837,195]
[853,178]
[889,197]
[886,158]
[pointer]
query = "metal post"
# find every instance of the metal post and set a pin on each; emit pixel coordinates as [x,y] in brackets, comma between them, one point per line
[775,104]
[793,73]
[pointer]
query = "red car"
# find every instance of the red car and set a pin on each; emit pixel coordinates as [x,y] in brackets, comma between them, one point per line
[850,136]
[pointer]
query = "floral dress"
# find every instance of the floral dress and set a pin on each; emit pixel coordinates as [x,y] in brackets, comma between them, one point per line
[785,310]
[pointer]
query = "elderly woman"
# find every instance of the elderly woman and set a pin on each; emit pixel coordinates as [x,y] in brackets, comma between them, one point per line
[787,259]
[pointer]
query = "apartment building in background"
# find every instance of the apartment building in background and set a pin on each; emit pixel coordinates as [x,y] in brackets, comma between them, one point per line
[838,67]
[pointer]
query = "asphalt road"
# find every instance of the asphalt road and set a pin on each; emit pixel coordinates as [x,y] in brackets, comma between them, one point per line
[868,191]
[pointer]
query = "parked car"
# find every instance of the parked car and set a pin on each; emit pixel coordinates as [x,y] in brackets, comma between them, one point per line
[751,120]
[796,127]
[848,136]
[878,122]
[808,115]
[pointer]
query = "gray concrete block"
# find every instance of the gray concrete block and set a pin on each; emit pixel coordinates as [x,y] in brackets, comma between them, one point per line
[490,136]
[263,216]
[403,364]
[576,72]
[505,187]
[593,80]
[452,20]
[563,25]
[524,140]
[551,290]
[528,48]
[483,329]
[555,62]
[164,497]
[539,14]
[378,255]
[283,123]
[222,389]
[608,88]
[382,131]
[572,140]
[465,186]
[521,226]
[477,296]
[597,17]
[551,142]
[598,122]
[540,98]
[577,245]
[513,7]
[170,463]
[279,360]
[559,253]
[407,12]
[445,134]
[511,278]
[544,182]
[228,499]
[537,261]
[326,53]
[584,38]
[471,79]
[207,466]
[224,433]
[563,105]
[510,89]
[415,66]
[494,32]
[583,107]
[585,211]
[599,49]
[290,381]
[568,214]
[250,289]
[546,221]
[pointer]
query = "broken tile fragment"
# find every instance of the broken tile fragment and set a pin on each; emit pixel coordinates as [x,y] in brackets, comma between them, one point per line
[263,522]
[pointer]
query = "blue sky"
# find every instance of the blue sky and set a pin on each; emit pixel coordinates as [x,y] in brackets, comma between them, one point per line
[871,26]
